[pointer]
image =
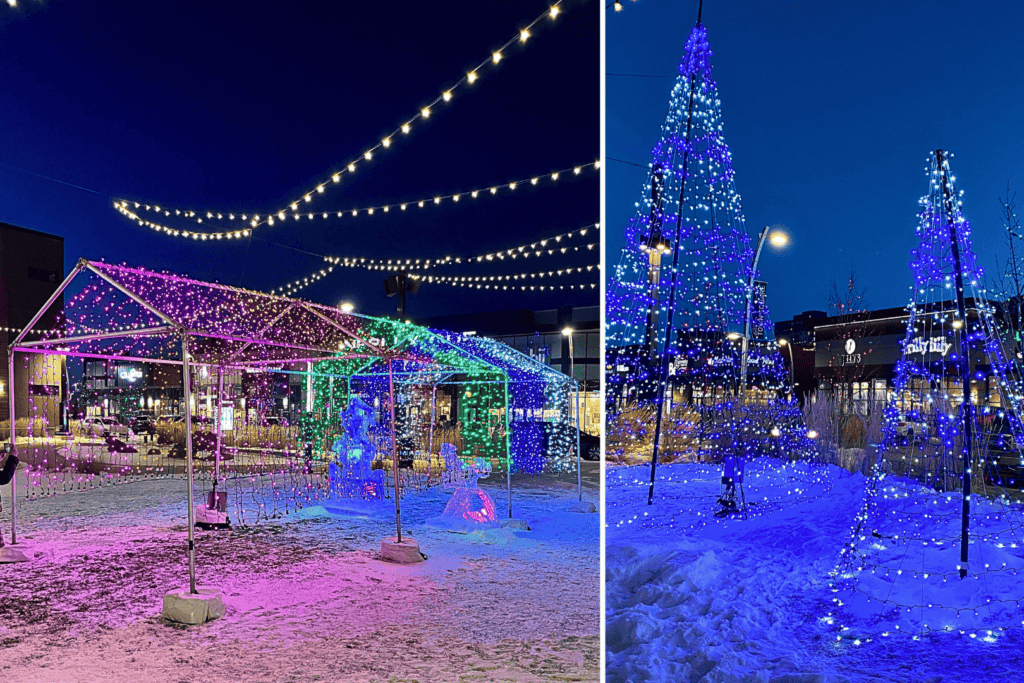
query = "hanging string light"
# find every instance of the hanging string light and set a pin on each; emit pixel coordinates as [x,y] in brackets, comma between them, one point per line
[502,278]
[548,246]
[302,203]
[425,202]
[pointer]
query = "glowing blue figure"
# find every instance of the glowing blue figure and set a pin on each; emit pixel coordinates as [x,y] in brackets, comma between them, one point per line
[352,474]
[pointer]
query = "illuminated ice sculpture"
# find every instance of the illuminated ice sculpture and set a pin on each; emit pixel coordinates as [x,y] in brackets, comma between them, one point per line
[351,475]
[469,508]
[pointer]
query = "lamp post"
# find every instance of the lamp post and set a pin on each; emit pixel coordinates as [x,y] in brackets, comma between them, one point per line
[572,373]
[785,342]
[778,240]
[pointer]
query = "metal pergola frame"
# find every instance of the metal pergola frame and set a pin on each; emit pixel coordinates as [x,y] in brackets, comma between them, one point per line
[191,335]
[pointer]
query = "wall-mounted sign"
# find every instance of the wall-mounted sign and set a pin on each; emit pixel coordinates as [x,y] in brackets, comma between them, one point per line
[130,374]
[933,345]
[851,345]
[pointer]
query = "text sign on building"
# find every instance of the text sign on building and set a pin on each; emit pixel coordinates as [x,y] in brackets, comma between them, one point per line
[937,345]
[130,374]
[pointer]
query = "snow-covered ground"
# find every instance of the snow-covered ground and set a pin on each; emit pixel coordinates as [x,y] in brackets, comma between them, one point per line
[691,597]
[307,596]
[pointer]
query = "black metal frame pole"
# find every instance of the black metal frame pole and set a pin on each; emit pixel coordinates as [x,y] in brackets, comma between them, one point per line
[963,362]
[663,372]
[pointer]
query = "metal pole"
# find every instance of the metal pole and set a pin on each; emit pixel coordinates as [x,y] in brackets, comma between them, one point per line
[746,317]
[14,446]
[218,418]
[579,455]
[963,362]
[508,450]
[186,380]
[670,318]
[572,374]
[394,448]
[433,408]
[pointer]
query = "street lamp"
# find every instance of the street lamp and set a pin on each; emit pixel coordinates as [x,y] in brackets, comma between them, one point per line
[347,307]
[785,342]
[567,332]
[778,239]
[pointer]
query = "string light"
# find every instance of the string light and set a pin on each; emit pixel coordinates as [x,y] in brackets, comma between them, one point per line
[405,128]
[448,94]
[923,501]
[198,217]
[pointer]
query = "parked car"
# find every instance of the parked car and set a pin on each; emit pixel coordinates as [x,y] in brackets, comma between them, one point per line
[1003,432]
[1003,464]
[142,424]
[99,427]
[590,446]
[912,426]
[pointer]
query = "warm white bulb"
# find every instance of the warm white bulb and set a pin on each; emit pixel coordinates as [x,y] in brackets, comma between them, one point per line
[554,12]
[425,112]
[447,95]
[523,35]
[471,77]
[386,142]
[496,57]
[405,128]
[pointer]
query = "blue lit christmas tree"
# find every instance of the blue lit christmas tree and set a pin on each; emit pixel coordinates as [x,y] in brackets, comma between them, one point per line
[938,545]
[689,338]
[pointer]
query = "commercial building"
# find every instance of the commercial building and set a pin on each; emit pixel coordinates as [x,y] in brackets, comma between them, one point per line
[860,352]
[31,269]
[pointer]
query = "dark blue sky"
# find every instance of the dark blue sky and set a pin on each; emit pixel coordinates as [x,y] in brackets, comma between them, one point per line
[242,106]
[830,110]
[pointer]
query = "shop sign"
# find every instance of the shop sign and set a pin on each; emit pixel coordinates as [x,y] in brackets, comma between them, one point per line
[937,345]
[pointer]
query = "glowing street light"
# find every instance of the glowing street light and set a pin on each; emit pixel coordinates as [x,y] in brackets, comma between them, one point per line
[778,239]
[785,343]
[347,307]
[568,332]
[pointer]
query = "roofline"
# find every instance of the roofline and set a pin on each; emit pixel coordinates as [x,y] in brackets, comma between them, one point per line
[39,233]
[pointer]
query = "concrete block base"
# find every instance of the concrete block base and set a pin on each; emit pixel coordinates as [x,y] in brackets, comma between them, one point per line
[406,552]
[184,607]
[211,519]
[582,506]
[515,524]
[10,554]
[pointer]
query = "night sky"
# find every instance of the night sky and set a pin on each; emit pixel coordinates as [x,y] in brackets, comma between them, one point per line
[830,110]
[244,107]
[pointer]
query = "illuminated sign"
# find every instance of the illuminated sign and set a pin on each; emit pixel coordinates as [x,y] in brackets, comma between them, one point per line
[130,374]
[353,344]
[934,345]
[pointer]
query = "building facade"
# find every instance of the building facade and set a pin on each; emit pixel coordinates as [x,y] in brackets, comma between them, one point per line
[858,354]
[31,270]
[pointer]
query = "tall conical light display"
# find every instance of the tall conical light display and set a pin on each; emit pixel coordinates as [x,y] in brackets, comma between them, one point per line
[679,302]
[939,541]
